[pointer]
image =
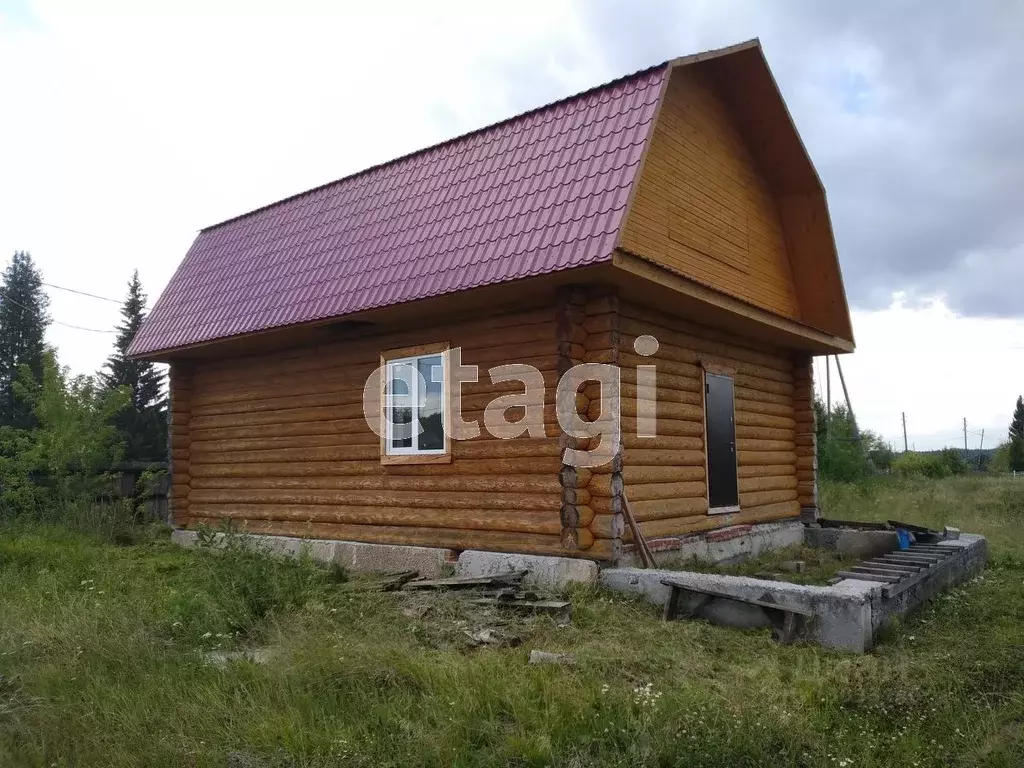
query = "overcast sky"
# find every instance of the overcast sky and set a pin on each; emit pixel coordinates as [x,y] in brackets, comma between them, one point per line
[123,132]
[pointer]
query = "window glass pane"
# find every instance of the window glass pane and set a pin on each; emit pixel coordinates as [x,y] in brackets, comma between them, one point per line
[431,382]
[401,377]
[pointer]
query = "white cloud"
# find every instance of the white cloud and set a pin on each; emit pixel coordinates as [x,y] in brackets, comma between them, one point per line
[936,367]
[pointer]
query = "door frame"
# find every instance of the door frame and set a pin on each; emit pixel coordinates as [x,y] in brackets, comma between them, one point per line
[718,370]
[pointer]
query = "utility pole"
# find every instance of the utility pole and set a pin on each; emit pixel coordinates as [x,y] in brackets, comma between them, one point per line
[981,447]
[965,434]
[904,415]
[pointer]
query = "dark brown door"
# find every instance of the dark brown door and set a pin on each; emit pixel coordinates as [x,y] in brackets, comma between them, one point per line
[720,424]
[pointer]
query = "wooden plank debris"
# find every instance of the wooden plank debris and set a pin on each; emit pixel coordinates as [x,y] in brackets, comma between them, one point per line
[468,582]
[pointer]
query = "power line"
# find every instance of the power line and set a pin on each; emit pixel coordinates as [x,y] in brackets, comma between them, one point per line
[57,322]
[82,293]
[119,302]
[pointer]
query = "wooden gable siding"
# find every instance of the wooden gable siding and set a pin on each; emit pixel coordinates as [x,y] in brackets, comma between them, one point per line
[278,444]
[702,208]
[664,477]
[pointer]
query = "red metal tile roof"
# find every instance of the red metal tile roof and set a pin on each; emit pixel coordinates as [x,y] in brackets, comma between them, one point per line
[538,193]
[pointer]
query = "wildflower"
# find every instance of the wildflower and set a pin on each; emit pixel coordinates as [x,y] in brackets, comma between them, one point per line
[646,696]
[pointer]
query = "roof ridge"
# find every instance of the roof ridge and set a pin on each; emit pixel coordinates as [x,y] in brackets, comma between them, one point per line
[438,145]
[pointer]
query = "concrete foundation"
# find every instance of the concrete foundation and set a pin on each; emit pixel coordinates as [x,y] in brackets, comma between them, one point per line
[542,571]
[725,545]
[351,555]
[549,573]
[846,616]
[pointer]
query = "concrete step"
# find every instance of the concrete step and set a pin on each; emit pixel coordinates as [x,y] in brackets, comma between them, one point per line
[868,576]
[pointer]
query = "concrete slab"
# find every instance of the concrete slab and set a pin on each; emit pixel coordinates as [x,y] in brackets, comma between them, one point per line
[842,613]
[542,571]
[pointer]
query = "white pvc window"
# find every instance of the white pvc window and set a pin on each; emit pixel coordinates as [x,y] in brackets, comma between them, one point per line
[415,403]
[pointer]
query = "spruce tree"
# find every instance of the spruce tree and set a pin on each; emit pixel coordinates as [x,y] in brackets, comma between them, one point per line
[143,424]
[1016,436]
[23,321]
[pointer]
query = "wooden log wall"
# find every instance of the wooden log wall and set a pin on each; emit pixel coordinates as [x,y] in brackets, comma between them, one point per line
[664,477]
[278,442]
[180,387]
[806,435]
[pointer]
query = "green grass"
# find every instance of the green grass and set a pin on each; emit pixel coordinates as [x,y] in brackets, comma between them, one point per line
[820,565]
[101,663]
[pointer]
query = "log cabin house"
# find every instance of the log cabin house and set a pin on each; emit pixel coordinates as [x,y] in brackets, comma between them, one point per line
[678,202]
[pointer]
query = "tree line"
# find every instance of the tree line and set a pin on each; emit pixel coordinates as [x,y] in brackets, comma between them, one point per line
[848,454]
[62,434]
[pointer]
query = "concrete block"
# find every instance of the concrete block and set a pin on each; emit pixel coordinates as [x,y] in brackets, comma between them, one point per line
[542,571]
[842,614]
[383,558]
[184,538]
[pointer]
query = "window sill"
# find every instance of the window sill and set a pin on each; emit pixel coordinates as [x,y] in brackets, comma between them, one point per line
[723,510]
[415,458]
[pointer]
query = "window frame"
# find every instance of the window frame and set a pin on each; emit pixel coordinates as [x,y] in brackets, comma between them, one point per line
[388,358]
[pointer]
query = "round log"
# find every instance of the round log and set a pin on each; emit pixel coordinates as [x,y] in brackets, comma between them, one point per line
[770,483]
[746,444]
[542,521]
[663,442]
[675,427]
[414,499]
[663,410]
[638,475]
[200,447]
[749,419]
[677,490]
[753,499]
[526,484]
[764,433]
[771,409]
[662,458]
[658,509]
[766,470]
[765,458]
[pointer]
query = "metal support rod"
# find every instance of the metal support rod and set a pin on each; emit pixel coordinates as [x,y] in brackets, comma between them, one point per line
[849,408]
[828,395]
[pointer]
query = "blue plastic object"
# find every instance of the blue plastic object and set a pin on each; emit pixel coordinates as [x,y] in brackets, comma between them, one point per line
[904,536]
